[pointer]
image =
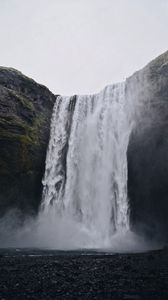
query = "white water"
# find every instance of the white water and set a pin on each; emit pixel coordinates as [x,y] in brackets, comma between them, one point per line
[85,182]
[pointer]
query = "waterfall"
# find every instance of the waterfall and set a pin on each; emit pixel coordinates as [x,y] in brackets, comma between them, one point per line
[86,166]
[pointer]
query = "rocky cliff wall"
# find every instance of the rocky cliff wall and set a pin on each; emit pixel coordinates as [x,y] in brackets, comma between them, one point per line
[148,148]
[25,114]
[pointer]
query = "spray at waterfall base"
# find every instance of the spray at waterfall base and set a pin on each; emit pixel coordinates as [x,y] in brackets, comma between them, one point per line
[85,182]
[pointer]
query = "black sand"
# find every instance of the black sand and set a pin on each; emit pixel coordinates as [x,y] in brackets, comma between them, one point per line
[69,275]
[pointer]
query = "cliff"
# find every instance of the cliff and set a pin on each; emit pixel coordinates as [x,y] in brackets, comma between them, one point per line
[148,148]
[25,114]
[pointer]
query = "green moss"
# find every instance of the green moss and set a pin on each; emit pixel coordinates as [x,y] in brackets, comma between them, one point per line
[12,121]
[25,143]
[26,102]
[40,120]
[35,129]
[24,137]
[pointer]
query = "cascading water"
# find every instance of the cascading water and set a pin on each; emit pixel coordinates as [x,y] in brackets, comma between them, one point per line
[86,166]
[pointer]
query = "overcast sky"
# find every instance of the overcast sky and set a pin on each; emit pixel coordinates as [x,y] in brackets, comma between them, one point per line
[79,46]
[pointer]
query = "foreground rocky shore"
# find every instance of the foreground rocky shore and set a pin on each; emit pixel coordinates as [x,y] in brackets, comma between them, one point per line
[68,275]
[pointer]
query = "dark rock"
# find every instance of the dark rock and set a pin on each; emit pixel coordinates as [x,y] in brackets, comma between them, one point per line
[74,276]
[148,149]
[25,114]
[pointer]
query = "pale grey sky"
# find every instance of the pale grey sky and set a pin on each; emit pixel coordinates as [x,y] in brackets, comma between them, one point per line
[79,46]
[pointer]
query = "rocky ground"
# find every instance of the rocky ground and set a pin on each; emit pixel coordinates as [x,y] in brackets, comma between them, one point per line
[51,275]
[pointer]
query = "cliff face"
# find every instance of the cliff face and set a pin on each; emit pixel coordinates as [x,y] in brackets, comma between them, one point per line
[25,114]
[148,149]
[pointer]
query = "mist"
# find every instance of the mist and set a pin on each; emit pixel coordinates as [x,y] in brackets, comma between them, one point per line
[50,232]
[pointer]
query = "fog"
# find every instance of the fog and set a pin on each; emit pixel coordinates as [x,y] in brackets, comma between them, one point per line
[49,232]
[79,46]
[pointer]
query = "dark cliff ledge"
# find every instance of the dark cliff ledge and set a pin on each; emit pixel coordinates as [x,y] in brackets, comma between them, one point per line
[25,114]
[148,149]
